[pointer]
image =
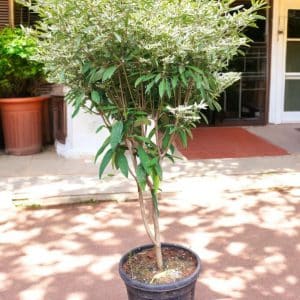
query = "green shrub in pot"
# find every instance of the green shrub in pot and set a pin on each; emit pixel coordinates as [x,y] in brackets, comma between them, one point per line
[20,74]
[147,68]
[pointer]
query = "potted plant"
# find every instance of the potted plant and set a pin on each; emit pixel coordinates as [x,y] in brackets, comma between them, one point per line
[147,68]
[20,78]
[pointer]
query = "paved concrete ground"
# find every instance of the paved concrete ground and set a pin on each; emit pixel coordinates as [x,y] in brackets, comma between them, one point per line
[241,215]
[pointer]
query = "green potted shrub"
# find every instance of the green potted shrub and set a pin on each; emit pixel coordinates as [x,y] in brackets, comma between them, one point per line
[147,68]
[20,78]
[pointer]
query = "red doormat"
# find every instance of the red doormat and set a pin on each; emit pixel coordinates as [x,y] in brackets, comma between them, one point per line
[227,142]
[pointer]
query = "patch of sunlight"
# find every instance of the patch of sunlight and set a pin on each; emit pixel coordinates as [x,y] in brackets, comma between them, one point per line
[226,284]
[77,296]
[298,247]
[274,264]
[292,280]
[86,219]
[68,245]
[101,236]
[271,250]
[40,261]
[104,266]
[33,293]
[16,236]
[244,273]
[119,222]
[236,248]
[278,289]
[236,220]
[191,221]
[199,241]
[279,219]
[5,282]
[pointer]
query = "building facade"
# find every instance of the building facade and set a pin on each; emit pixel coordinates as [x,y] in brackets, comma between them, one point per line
[268,92]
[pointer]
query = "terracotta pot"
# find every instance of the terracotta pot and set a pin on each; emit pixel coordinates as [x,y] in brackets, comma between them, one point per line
[22,124]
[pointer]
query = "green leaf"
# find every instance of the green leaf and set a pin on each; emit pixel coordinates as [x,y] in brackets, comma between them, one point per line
[157,78]
[143,139]
[100,128]
[162,88]
[183,137]
[174,82]
[141,176]
[108,73]
[116,134]
[168,88]
[79,99]
[118,37]
[96,75]
[95,96]
[144,158]
[143,78]
[105,161]
[150,86]
[102,148]
[86,67]
[158,170]
[172,149]
[155,201]
[183,79]
[141,121]
[166,139]
[123,163]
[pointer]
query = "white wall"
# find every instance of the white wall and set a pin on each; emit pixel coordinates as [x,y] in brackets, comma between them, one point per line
[82,139]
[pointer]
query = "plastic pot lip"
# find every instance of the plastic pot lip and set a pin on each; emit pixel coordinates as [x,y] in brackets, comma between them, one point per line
[159,287]
[24,99]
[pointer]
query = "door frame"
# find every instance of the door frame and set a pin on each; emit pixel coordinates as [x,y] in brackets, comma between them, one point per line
[277,114]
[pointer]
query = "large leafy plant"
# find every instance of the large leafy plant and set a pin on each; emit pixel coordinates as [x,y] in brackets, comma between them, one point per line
[147,68]
[19,73]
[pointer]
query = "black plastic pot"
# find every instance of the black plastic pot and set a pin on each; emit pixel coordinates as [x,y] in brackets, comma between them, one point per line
[183,289]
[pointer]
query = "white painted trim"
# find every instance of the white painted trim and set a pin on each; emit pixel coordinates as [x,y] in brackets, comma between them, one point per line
[278,61]
[277,65]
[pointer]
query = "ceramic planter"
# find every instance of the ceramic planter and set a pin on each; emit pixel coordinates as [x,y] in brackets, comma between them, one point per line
[22,124]
[183,289]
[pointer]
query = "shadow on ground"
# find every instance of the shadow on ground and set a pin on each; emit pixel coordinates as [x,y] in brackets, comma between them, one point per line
[249,244]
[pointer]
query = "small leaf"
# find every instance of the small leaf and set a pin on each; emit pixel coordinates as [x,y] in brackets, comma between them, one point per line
[141,176]
[166,139]
[183,138]
[168,88]
[157,78]
[144,158]
[105,161]
[158,170]
[102,148]
[143,78]
[116,134]
[100,128]
[118,37]
[150,86]
[162,88]
[109,72]
[155,201]
[95,96]
[174,82]
[123,164]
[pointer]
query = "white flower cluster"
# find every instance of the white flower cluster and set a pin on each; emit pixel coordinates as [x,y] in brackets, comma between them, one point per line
[187,112]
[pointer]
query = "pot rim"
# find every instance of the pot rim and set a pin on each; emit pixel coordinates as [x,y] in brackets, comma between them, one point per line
[24,99]
[159,287]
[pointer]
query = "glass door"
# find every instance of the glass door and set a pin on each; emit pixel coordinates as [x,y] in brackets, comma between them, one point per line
[291,107]
[245,101]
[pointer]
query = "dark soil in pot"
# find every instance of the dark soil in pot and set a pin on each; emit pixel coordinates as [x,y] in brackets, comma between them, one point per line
[175,282]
